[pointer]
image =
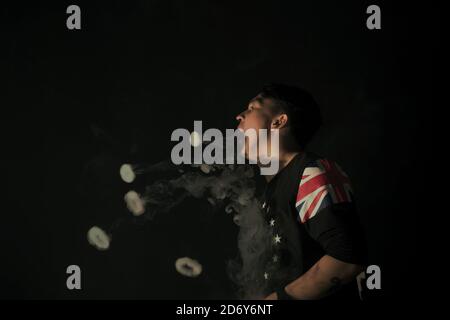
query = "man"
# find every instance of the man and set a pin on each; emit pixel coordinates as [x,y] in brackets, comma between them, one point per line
[318,248]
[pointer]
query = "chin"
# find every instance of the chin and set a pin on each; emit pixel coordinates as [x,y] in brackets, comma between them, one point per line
[243,152]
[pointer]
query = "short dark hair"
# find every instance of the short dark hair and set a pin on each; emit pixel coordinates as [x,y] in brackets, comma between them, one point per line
[303,113]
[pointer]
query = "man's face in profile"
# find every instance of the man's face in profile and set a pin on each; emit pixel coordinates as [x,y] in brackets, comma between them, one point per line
[258,115]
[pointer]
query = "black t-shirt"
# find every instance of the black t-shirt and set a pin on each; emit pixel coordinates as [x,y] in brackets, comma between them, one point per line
[311,212]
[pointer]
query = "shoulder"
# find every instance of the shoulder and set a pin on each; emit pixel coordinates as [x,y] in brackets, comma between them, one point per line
[322,184]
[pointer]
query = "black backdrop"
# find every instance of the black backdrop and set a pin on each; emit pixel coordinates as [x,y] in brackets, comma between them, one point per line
[139,69]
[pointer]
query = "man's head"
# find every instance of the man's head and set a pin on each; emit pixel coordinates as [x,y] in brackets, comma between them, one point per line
[290,109]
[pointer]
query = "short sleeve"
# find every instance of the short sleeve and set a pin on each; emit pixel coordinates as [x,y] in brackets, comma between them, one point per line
[326,208]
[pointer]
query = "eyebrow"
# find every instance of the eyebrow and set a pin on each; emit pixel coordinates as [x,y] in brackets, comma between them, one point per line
[258,99]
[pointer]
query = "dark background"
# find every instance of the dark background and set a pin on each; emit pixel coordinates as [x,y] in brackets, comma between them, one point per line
[77,104]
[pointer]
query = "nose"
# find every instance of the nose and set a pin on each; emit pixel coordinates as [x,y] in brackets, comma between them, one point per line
[240,116]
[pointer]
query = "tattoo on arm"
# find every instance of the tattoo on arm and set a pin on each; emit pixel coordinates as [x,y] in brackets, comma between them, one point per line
[336,285]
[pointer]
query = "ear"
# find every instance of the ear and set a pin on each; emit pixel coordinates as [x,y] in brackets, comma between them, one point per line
[279,121]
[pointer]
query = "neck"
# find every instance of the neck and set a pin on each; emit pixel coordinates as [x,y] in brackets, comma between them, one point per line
[284,159]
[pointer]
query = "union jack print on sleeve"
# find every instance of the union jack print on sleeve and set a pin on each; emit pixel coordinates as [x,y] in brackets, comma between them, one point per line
[323,183]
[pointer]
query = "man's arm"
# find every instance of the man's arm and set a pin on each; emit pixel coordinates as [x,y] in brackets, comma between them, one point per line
[324,278]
